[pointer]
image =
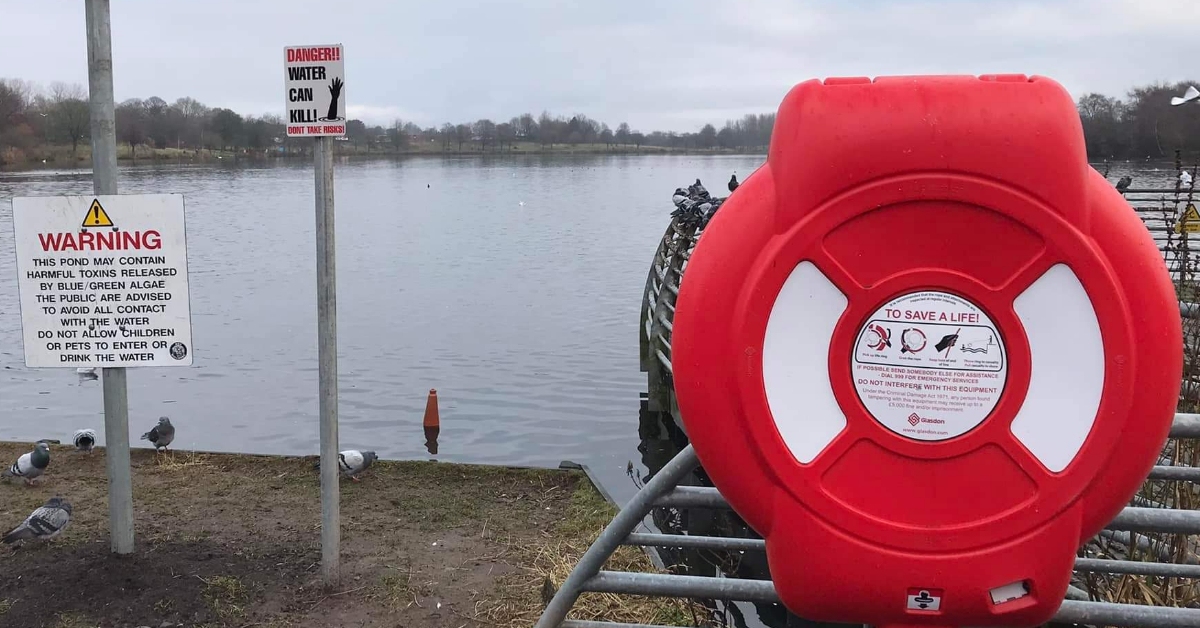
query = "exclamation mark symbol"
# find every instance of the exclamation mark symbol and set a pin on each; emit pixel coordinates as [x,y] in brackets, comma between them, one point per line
[337,54]
[95,214]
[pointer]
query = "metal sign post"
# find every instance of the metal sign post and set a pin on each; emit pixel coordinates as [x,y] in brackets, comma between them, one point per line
[104,181]
[314,89]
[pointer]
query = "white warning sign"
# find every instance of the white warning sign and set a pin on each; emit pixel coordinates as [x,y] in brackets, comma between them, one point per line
[929,365]
[315,90]
[103,280]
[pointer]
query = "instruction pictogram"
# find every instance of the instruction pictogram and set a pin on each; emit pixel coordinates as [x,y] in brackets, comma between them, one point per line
[912,340]
[878,337]
[924,599]
[978,345]
[947,341]
[97,217]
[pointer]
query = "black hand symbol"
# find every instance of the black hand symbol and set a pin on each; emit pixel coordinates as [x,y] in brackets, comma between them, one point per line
[335,90]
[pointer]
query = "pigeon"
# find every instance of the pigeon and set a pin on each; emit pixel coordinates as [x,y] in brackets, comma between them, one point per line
[31,465]
[45,523]
[85,440]
[733,182]
[353,462]
[161,435]
[1124,183]
[1191,94]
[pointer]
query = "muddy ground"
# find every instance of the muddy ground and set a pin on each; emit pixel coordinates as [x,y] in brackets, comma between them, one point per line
[233,540]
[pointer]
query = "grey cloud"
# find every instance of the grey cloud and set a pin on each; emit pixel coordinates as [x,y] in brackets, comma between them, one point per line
[671,64]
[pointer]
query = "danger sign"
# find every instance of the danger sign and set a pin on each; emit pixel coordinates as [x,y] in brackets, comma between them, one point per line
[315,90]
[103,281]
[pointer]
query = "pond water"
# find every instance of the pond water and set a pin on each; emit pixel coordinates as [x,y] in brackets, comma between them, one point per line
[511,285]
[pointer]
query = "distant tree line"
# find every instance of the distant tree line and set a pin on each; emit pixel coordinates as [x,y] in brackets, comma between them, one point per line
[1143,125]
[31,117]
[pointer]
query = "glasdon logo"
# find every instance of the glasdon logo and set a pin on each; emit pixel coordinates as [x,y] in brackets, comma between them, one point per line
[914,419]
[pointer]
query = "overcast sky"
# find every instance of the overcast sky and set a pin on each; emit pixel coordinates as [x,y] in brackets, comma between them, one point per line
[657,64]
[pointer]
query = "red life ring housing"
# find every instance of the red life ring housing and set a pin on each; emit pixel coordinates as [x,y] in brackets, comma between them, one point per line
[926,350]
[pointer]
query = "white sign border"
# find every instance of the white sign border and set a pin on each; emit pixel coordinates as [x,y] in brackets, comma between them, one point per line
[191,357]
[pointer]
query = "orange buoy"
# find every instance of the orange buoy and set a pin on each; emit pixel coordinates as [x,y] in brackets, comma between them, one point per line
[432,419]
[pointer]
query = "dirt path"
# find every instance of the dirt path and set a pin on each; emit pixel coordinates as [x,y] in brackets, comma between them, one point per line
[227,540]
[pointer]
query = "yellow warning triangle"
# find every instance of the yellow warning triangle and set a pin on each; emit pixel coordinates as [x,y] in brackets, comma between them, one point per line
[1191,215]
[97,217]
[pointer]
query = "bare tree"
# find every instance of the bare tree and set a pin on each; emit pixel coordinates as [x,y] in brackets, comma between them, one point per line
[548,129]
[191,128]
[462,135]
[485,132]
[131,124]
[14,97]
[397,136]
[622,134]
[357,132]
[70,119]
[228,125]
[505,132]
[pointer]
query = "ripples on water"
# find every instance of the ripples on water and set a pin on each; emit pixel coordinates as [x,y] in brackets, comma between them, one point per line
[511,285]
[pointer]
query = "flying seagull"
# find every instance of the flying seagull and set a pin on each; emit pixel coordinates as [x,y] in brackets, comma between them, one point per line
[85,439]
[161,435]
[1192,94]
[31,465]
[45,523]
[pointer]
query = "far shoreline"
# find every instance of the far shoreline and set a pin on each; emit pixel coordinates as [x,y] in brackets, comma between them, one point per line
[61,160]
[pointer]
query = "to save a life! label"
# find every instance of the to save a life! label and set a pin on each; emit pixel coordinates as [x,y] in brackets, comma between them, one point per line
[929,365]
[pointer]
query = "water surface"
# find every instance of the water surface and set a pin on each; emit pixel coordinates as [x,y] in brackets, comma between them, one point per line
[511,285]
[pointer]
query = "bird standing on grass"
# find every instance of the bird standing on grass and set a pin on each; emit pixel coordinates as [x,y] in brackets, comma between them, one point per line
[161,435]
[31,465]
[85,440]
[353,462]
[45,523]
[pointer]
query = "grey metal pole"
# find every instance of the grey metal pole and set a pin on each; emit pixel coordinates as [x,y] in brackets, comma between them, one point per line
[331,533]
[104,181]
